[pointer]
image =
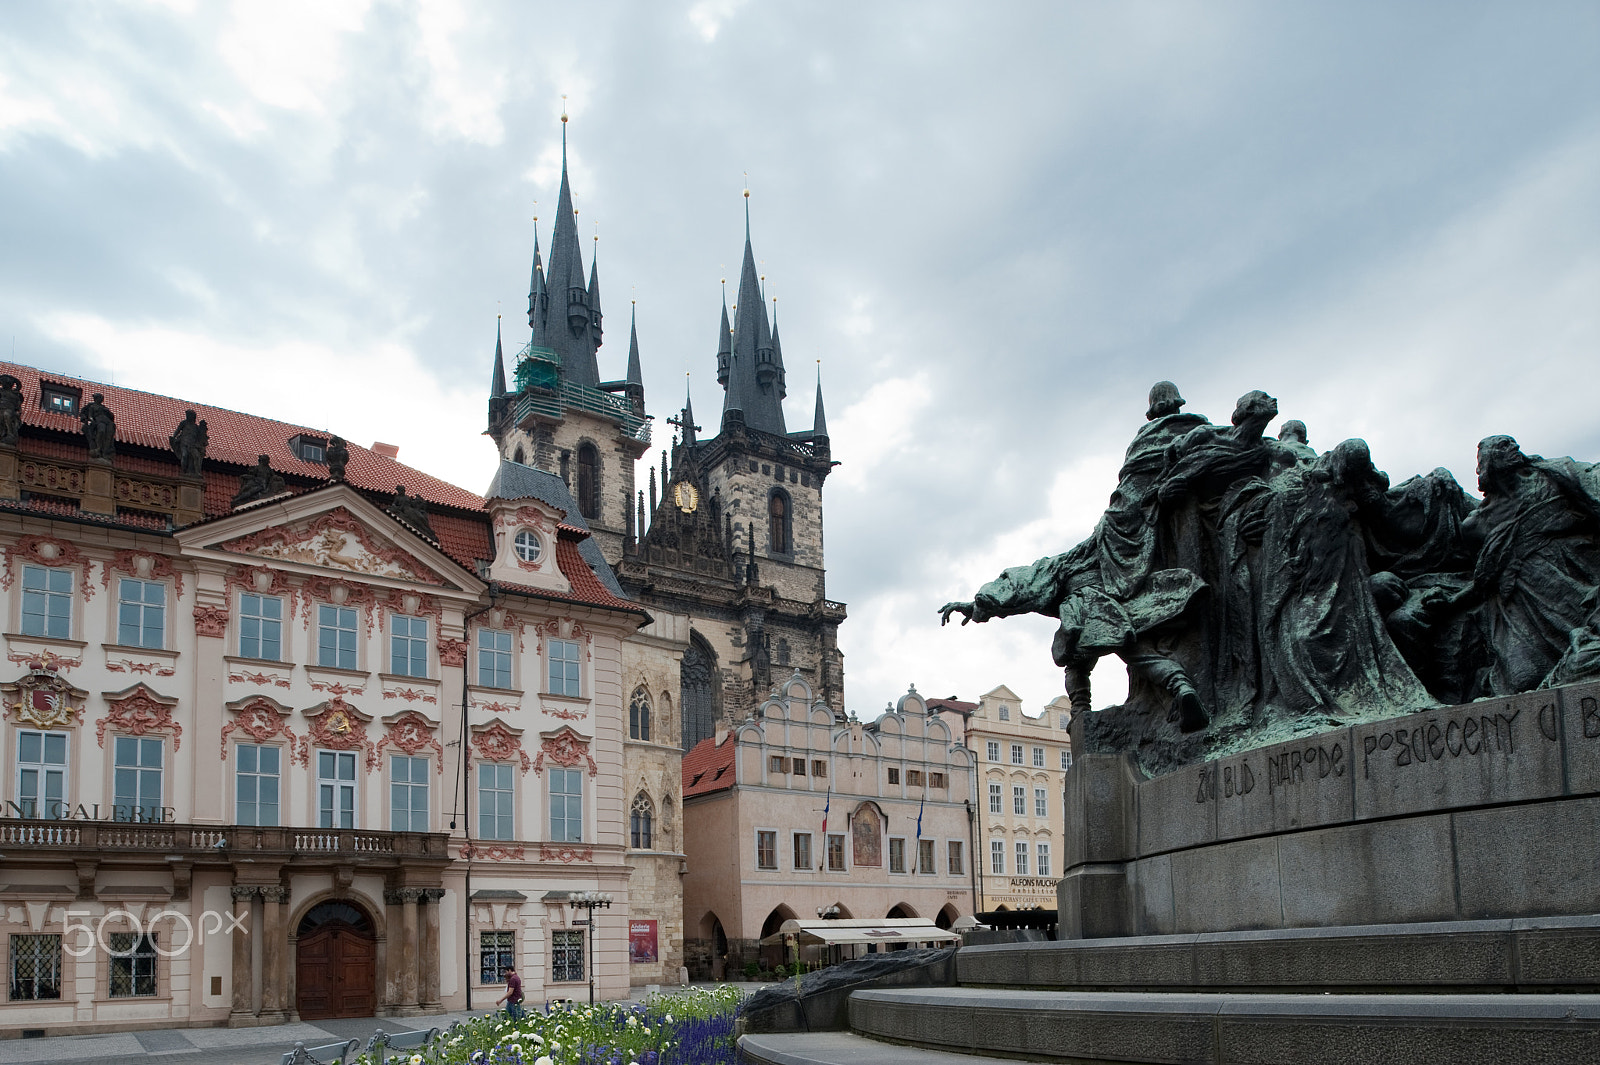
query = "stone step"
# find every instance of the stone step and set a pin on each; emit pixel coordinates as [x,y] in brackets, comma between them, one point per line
[1530,954]
[1261,1029]
[847,1048]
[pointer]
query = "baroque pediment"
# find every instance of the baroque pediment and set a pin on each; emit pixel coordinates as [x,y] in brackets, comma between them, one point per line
[335,540]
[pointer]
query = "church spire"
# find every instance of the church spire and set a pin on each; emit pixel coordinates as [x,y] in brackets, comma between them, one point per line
[536,290]
[594,288]
[755,373]
[688,412]
[497,380]
[635,382]
[724,342]
[571,323]
[819,427]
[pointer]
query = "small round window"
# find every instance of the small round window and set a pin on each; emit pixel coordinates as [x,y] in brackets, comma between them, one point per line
[528,546]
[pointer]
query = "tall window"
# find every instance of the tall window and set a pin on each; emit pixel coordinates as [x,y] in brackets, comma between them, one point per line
[641,822]
[1019,799]
[1038,757]
[41,773]
[1066,759]
[997,856]
[1016,754]
[778,523]
[408,646]
[133,965]
[994,798]
[141,613]
[35,968]
[261,627]
[1022,859]
[588,480]
[497,952]
[802,851]
[1043,852]
[1005,713]
[897,855]
[336,789]
[408,793]
[957,864]
[835,852]
[566,956]
[566,805]
[256,779]
[494,658]
[925,856]
[336,637]
[564,675]
[46,602]
[1066,720]
[766,849]
[496,801]
[137,778]
[639,716]
[994,750]
[1041,807]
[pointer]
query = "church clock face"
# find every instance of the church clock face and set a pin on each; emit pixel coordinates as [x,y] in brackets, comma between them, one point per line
[686,496]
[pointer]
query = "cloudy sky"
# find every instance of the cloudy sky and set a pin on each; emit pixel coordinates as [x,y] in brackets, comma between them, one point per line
[994,224]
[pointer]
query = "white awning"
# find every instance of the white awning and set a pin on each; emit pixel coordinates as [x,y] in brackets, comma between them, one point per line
[907,930]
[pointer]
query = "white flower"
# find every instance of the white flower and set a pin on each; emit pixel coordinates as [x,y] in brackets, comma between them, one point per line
[416,1059]
[545,1060]
[669,1018]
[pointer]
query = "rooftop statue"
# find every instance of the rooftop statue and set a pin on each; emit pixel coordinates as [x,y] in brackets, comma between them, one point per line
[189,442]
[10,409]
[261,481]
[99,428]
[1258,591]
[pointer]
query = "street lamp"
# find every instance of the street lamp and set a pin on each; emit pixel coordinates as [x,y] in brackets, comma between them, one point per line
[591,901]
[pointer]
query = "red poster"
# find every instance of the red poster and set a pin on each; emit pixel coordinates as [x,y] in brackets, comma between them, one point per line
[641,941]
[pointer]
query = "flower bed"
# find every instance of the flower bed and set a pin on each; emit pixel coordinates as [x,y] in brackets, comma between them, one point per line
[688,1028]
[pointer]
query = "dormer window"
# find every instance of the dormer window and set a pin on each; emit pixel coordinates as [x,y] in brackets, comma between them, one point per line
[59,398]
[309,448]
[528,546]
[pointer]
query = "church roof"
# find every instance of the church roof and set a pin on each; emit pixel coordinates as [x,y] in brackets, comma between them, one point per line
[755,378]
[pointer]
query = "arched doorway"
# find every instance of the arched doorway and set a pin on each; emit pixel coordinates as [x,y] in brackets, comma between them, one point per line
[772,955]
[900,910]
[335,966]
[947,916]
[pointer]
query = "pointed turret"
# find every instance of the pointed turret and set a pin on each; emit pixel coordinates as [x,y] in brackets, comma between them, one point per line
[594,292]
[755,373]
[497,380]
[688,416]
[724,343]
[570,329]
[819,426]
[536,290]
[635,389]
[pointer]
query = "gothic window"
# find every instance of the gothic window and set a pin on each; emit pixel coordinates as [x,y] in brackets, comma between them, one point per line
[639,716]
[697,677]
[783,652]
[641,823]
[589,480]
[778,523]
[520,456]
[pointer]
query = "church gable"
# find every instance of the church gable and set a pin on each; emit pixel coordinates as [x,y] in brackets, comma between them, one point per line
[335,539]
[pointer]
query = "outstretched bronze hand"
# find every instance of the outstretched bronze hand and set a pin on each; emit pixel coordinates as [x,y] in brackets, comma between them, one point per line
[964,609]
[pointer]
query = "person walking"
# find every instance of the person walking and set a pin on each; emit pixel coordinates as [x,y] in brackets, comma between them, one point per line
[513,996]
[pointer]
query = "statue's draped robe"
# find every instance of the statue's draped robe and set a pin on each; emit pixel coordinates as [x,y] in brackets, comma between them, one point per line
[1538,572]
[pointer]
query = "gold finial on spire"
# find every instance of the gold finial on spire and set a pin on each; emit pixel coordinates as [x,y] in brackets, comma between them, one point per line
[563,107]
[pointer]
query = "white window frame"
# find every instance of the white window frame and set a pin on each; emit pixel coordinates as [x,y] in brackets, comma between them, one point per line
[48,598]
[1041,802]
[1066,759]
[413,763]
[1041,863]
[262,620]
[929,849]
[993,750]
[528,546]
[143,775]
[794,851]
[996,798]
[1021,858]
[503,823]
[844,853]
[142,607]
[902,849]
[241,774]
[574,681]
[496,655]
[997,857]
[955,856]
[1038,757]
[44,770]
[335,787]
[339,629]
[770,836]
[1016,754]
[1019,800]
[411,641]
[566,776]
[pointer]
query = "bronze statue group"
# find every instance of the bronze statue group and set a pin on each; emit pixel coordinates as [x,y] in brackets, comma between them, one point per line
[1257,590]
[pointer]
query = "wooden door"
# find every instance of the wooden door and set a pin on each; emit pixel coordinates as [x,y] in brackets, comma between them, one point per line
[336,974]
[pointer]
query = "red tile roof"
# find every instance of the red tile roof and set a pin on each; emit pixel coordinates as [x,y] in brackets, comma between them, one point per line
[146,419]
[952,703]
[708,767]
